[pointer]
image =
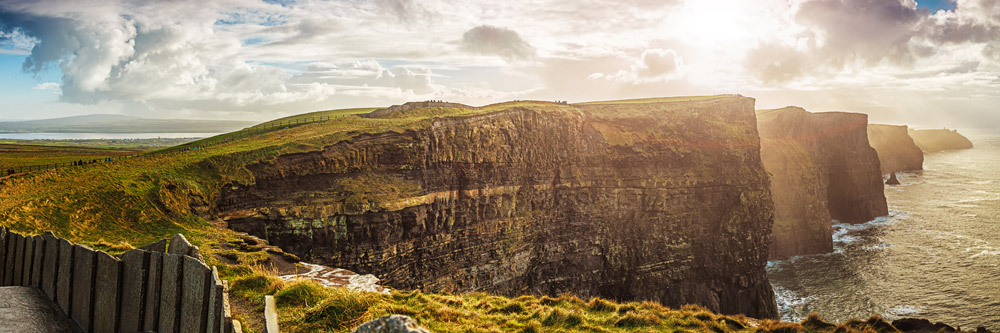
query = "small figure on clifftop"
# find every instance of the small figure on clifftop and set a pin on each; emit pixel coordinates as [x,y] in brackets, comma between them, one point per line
[892,180]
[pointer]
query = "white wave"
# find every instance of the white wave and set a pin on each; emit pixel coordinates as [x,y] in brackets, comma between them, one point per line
[903,310]
[841,231]
[876,247]
[985,182]
[791,305]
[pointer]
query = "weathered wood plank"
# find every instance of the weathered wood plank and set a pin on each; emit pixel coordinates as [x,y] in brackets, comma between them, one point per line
[64,280]
[50,266]
[152,307]
[84,265]
[214,303]
[3,253]
[194,307]
[170,293]
[38,259]
[227,314]
[135,270]
[29,254]
[106,292]
[15,278]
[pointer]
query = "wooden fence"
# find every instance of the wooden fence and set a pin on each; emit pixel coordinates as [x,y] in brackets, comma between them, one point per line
[147,289]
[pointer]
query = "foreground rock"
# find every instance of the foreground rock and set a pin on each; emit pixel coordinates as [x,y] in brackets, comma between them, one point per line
[391,324]
[896,150]
[823,168]
[629,201]
[939,139]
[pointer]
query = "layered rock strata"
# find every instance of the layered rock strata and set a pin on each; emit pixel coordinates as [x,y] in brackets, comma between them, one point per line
[939,139]
[666,202]
[823,169]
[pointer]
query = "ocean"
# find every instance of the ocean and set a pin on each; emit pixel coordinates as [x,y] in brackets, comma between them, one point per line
[936,256]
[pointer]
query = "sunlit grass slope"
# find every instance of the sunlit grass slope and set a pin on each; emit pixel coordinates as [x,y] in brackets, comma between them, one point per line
[658,100]
[15,155]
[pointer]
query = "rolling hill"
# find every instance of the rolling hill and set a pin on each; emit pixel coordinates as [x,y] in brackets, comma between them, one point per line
[109,123]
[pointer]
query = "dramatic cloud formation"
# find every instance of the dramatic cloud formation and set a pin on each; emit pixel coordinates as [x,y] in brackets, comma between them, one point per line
[506,43]
[257,59]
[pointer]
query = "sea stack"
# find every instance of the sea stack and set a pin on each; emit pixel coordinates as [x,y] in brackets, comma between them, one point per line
[892,180]
[823,169]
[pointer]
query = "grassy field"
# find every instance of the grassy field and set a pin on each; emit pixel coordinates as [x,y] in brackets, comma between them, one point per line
[19,155]
[137,144]
[657,100]
[314,115]
[113,206]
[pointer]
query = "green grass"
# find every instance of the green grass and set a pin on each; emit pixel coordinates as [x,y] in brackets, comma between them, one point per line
[137,144]
[306,306]
[18,155]
[314,115]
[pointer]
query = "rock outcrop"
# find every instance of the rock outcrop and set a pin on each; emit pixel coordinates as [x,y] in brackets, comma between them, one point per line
[391,324]
[939,139]
[896,150]
[632,201]
[822,169]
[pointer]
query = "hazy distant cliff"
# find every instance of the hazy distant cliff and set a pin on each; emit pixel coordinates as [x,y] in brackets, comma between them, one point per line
[896,150]
[822,168]
[939,139]
[664,201]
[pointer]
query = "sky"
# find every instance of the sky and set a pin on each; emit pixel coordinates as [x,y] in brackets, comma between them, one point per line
[924,63]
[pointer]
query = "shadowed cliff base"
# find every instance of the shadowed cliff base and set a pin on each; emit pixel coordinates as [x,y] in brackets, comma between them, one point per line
[939,139]
[822,169]
[896,149]
[662,200]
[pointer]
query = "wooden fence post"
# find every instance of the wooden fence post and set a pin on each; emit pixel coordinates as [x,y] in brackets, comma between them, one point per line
[270,314]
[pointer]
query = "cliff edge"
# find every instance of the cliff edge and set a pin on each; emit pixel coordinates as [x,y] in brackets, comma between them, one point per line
[896,149]
[665,201]
[939,139]
[822,169]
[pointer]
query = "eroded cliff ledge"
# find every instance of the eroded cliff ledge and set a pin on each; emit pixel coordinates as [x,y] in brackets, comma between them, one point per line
[665,201]
[939,139]
[822,168]
[896,150]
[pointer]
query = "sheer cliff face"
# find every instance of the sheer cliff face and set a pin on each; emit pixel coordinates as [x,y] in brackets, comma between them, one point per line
[896,150]
[666,202]
[822,168]
[939,139]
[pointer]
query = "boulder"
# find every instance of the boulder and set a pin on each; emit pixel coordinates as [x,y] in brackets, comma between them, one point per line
[391,324]
[920,325]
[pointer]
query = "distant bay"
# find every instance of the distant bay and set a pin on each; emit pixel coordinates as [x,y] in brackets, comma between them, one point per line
[109,136]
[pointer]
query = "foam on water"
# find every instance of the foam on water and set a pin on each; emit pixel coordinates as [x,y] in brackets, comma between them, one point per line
[792,306]
[903,311]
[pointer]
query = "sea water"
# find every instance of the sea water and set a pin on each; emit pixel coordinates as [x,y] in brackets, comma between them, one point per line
[936,256]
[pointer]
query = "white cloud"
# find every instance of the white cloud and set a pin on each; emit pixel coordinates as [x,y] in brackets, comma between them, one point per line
[47,86]
[652,66]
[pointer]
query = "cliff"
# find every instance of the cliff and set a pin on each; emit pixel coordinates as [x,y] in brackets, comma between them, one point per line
[939,139]
[663,201]
[822,168]
[896,150]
